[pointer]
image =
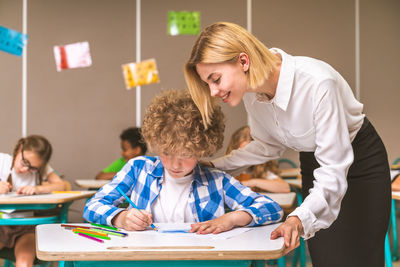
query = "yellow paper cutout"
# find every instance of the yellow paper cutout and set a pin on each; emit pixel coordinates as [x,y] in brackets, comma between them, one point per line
[140,73]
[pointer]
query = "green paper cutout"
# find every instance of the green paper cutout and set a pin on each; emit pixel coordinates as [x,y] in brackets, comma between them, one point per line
[183,23]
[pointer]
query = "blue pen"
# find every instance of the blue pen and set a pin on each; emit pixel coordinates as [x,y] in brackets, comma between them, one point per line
[133,204]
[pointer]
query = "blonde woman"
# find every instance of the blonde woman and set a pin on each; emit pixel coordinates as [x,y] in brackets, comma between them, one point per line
[304,104]
[261,177]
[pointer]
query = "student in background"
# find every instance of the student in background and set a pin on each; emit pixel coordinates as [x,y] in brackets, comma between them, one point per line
[131,146]
[262,177]
[396,183]
[24,173]
[173,187]
[394,175]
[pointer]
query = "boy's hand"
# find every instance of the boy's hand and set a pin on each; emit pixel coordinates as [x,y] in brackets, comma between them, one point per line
[221,224]
[291,230]
[133,220]
[28,190]
[5,187]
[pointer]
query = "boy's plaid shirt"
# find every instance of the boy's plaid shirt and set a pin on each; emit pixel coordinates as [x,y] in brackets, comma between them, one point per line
[212,189]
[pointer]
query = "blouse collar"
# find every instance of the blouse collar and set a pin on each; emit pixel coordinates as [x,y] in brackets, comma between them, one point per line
[285,81]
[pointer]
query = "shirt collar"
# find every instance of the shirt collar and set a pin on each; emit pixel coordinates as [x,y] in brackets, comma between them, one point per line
[286,78]
[156,169]
[201,174]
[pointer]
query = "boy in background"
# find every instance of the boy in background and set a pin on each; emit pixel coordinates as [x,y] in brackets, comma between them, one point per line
[132,145]
[173,187]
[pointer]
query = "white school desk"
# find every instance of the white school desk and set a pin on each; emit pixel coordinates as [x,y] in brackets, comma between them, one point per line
[294,182]
[285,200]
[91,183]
[252,245]
[41,202]
[290,173]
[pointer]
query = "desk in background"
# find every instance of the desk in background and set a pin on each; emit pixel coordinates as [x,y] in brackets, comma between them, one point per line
[285,200]
[290,173]
[91,183]
[41,202]
[296,183]
[242,249]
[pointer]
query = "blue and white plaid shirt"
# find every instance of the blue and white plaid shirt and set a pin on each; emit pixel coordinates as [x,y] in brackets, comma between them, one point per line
[141,179]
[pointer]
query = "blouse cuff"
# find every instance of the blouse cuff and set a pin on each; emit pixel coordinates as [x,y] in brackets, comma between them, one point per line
[307,219]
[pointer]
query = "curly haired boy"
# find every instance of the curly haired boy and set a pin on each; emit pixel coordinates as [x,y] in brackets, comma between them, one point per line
[173,187]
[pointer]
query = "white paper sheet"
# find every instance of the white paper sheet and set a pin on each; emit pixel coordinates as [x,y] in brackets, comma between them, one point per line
[183,229]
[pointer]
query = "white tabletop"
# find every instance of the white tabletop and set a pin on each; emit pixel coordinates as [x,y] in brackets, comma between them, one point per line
[285,200]
[46,198]
[91,183]
[254,244]
[289,172]
[294,182]
[396,195]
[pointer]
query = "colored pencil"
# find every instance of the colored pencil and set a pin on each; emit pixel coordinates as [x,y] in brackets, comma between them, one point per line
[91,237]
[85,231]
[74,226]
[105,226]
[109,232]
[133,205]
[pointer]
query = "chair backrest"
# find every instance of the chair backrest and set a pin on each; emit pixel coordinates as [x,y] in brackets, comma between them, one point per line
[396,161]
[282,161]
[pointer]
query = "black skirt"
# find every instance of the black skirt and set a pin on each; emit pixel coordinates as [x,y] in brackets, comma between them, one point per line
[357,236]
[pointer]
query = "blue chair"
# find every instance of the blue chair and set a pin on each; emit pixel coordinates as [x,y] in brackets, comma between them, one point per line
[288,161]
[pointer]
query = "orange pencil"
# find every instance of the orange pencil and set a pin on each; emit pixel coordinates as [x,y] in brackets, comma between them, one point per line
[85,231]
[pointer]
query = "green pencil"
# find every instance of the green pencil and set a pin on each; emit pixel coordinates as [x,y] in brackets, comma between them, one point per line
[92,235]
[107,232]
[105,226]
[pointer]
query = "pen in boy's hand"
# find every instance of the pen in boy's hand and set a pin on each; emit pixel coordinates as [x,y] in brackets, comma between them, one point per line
[133,204]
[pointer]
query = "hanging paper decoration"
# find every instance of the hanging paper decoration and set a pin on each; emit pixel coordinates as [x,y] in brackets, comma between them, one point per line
[72,56]
[183,23]
[140,73]
[11,41]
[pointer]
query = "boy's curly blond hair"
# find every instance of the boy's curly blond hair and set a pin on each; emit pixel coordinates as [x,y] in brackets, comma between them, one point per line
[173,125]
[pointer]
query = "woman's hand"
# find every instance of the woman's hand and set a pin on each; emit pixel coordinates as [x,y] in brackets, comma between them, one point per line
[291,230]
[28,190]
[222,224]
[133,220]
[5,187]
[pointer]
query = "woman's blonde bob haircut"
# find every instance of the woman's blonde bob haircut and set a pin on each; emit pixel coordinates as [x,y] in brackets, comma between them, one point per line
[172,125]
[223,42]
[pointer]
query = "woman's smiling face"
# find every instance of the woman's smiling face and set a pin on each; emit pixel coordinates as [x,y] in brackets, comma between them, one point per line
[225,80]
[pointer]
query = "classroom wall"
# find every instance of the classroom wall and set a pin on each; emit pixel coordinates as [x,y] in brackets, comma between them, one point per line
[82,111]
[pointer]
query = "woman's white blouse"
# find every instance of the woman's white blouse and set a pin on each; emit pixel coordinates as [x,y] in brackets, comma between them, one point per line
[314,110]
